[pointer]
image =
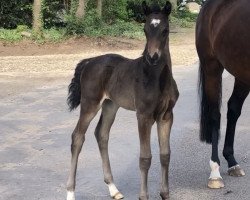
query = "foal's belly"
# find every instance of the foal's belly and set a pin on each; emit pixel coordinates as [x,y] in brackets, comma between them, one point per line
[123,98]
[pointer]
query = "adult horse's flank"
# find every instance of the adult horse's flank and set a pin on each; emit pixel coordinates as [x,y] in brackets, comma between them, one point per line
[223,42]
[144,85]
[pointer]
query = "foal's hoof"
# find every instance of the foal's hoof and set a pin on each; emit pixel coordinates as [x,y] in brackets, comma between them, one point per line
[236,171]
[143,197]
[215,183]
[164,195]
[118,196]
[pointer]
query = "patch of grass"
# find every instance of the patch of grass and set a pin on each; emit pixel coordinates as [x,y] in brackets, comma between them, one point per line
[124,29]
[10,35]
[49,35]
[54,35]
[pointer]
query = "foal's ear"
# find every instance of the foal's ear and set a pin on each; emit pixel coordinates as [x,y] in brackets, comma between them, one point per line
[167,8]
[145,8]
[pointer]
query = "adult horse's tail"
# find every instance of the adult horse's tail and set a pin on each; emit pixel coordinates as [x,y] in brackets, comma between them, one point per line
[206,115]
[74,95]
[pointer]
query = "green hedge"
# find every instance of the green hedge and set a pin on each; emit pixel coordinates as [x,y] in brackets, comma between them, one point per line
[15,12]
[19,12]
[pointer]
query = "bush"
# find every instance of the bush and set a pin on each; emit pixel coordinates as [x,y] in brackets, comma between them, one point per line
[10,35]
[126,29]
[53,13]
[15,12]
[115,10]
[90,24]
[183,19]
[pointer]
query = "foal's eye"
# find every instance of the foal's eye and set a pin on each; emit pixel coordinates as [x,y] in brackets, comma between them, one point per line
[165,32]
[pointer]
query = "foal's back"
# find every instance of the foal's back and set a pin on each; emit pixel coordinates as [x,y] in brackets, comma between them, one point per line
[223,27]
[110,76]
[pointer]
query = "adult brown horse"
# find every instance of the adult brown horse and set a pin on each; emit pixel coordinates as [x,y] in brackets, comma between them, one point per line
[223,42]
[144,85]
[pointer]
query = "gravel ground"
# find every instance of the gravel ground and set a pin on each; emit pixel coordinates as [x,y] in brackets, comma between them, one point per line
[36,126]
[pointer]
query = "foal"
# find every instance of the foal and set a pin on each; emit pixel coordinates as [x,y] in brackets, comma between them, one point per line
[144,85]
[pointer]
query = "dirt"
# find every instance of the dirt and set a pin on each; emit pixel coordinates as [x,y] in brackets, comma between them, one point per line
[181,45]
[27,64]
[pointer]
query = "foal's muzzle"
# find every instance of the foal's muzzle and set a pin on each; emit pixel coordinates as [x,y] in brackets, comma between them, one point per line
[153,60]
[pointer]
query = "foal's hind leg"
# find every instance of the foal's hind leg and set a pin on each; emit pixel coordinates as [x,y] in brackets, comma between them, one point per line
[235,103]
[164,128]
[107,118]
[88,111]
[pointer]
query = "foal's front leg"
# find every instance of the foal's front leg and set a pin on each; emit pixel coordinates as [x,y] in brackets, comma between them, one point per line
[144,125]
[164,128]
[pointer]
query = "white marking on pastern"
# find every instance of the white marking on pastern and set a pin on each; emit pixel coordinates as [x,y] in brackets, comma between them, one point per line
[215,173]
[70,195]
[114,192]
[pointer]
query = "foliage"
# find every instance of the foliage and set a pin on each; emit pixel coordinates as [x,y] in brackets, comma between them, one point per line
[113,10]
[53,13]
[49,35]
[183,19]
[124,29]
[54,35]
[92,25]
[83,26]
[15,12]
[120,18]
[10,35]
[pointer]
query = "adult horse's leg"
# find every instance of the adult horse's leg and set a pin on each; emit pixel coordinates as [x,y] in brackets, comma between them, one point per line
[211,77]
[164,128]
[235,103]
[87,113]
[144,125]
[107,118]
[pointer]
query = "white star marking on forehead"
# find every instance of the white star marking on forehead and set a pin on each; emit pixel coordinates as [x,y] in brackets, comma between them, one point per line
[155,22]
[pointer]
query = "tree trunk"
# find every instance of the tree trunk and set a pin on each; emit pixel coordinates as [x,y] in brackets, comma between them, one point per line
[37,17]
[174,4]
[66,4]
[80,12]
[99,7]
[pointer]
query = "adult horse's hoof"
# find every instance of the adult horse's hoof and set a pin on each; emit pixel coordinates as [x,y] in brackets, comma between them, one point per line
[118,196]
[215,183]
[236,171]
[164,195]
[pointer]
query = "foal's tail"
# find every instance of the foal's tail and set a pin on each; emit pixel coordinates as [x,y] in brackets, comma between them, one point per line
[74,95]
[205,114]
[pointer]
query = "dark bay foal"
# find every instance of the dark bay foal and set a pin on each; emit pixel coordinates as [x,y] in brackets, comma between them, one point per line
[144,85]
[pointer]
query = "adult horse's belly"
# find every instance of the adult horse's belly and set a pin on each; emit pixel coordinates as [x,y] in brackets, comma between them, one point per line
[232,43]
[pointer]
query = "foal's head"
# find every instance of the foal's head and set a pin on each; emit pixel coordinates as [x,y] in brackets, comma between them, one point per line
[156,30]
